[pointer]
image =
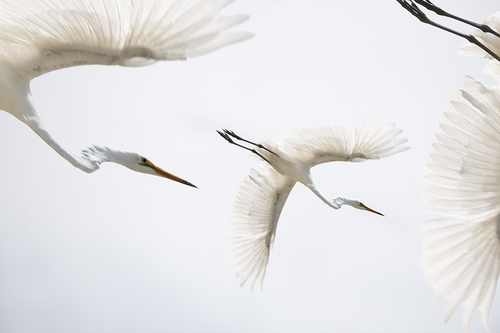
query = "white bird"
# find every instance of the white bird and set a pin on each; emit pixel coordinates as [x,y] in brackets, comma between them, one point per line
[461,179]
[483,42]
[263,193]
[37,37]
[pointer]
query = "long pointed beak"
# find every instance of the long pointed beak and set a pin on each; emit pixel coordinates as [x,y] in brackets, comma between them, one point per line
[162,173]
[369,209]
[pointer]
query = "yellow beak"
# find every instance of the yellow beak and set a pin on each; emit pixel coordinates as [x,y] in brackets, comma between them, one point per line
[162,173]
[369,209]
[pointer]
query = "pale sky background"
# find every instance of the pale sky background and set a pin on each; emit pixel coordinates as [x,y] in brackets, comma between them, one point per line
[118,251]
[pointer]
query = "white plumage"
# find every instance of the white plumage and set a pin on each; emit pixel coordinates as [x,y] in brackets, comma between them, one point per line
[492,42]
[461,179]
[38,36]
[263,192]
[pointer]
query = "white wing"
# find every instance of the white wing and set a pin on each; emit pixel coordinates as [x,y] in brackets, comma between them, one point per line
[462,174]
[462,179]
[461,261]
[37,36]
[343,142]
[254,220]
[493,43]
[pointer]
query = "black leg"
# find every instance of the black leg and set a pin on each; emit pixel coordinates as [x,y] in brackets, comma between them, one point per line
[410,6]
[228,139]
[231,133]
[432,7]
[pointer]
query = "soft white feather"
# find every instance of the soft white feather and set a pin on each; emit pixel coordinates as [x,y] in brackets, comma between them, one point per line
[253,222]
[461,179]
[461,260]
[344,142]
[262,194]
[456,181]
[40,36]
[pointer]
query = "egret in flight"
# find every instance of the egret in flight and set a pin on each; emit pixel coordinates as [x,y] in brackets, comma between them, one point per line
[263,193]
[37,37]
[461,258]
[461,179]
[483,42]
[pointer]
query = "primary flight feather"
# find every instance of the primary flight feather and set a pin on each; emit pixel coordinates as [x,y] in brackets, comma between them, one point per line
[263,192]
[461,179]
[461,258]
[39,36]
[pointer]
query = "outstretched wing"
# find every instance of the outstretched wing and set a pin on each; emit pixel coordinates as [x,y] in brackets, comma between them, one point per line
[461,178]
[343,142]
[490,41]
[462,174]
[461,261]
[40,36]
[253,222]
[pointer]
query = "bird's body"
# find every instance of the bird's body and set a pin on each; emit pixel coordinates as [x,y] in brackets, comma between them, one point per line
[263,193]
[37,37]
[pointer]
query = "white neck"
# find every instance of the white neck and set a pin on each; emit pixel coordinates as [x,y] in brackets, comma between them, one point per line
[88,161]
[335,203]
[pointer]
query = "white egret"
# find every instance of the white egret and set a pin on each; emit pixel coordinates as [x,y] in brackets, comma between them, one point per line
[461,179]
[461,258]
[483,42]
[263,193]
[37,37]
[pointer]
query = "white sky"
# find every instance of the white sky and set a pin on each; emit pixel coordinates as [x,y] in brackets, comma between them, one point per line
[119,251]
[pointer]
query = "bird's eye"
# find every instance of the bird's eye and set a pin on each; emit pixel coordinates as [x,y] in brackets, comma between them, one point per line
[143,160]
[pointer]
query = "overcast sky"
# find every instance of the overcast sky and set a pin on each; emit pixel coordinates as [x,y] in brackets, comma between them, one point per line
[119,251]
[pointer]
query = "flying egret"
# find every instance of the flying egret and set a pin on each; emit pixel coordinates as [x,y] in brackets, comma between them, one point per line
[461,179]
[37,37]
[483,42]
[263,193]
[461,258]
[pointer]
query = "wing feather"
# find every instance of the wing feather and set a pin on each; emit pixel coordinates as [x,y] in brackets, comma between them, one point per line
[461,261]
[253,222]
[461,179]
[344,142]
[40,36]
[462,173]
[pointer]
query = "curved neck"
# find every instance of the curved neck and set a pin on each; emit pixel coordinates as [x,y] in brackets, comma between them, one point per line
[330,203]
[335,203]
[79,162]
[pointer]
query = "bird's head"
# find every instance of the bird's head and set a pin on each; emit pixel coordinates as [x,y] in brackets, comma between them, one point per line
[339,201]
[98,154]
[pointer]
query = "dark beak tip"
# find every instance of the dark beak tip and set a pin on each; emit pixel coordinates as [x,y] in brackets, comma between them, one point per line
[192,185]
